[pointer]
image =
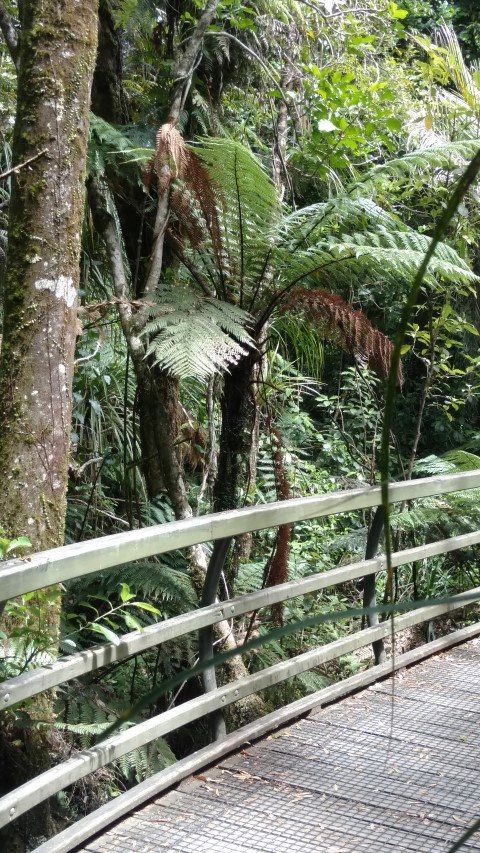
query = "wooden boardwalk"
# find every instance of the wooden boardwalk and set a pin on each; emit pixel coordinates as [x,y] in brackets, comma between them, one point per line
[371,773]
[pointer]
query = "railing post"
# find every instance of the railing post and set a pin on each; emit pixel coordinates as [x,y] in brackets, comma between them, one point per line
[369,581]
[205,635]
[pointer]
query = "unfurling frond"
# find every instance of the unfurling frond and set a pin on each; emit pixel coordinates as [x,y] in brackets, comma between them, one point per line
[196,336]
[346,327]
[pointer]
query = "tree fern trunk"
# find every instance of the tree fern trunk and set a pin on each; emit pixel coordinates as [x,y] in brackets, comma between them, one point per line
[238,445]
[159,429]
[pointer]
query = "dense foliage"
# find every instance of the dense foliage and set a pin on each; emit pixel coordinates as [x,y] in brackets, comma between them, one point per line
[263,182]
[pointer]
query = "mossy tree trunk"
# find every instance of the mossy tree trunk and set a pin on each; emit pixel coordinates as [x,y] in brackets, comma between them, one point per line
[54,57]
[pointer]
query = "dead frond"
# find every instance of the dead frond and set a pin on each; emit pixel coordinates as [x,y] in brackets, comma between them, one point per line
[346,327]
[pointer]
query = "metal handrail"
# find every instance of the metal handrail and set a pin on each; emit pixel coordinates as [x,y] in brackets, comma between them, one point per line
[51,567]
[48,568]
[73,666]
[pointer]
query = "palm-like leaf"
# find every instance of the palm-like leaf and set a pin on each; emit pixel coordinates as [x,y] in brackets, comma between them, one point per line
[247,207]
[445,156]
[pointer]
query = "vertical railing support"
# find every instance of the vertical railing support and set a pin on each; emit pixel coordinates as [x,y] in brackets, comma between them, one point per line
[369,581]
[205,635]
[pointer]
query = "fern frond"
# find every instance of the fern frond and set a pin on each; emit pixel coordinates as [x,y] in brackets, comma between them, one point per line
[167,584]
[345,327]
[445,156]
[446,515]
[404,254]
[193,335]
[348,240]
[342,214]
[302,342]
[246,210]
[462,460]
[109,146]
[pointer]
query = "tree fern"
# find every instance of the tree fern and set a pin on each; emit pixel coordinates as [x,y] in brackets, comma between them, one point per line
[237,252]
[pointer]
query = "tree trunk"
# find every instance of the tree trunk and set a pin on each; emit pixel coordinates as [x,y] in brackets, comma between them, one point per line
[108,98]
[238,420]
[55,58]
[237,434]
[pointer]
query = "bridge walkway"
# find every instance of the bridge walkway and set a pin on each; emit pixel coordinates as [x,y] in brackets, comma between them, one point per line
[395,767]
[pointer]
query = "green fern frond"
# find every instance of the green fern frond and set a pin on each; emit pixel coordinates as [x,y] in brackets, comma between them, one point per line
[167,584]
[404,262]
[335,243]
[462,460]
[196,336]
[445,515]
[303,342]
[342,214]
[445,156]
[248,206]
[86,730]
[146,760]
[109,146]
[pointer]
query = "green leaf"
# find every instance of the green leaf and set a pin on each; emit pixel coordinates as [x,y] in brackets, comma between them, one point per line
[20,542]
[132,622]
[125,594]
[394,124]
[142,605]
[105,632]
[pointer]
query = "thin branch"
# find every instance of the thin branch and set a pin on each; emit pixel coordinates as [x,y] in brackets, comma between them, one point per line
[340,14]
[106,227]
[92,355]
[15,169]
[187,62]
[184,69]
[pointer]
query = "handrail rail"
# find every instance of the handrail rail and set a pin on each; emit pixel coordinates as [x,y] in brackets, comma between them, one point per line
[57,565]
[72,666]
[32,793]
[74,560]
[87,827]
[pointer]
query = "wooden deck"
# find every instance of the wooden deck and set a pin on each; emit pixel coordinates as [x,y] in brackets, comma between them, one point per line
[370,773]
